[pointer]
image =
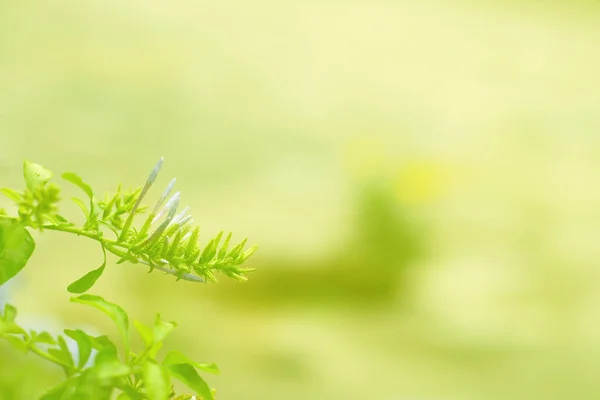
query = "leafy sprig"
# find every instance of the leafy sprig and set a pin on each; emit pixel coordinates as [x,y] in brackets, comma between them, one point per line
[167,240]
[98,370]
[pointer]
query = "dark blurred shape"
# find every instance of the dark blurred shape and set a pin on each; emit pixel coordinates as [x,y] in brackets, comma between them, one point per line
[371,268]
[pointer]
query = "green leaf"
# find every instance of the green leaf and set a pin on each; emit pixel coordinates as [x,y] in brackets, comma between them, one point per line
[247,254]
[115,312]
[92,386]
[10,313]
[62,220]
[145,332]
[63,356]
[8,327]
[235,253]
[156,381]
[100,342]
[153,338]
[12,194]
[18,343]
[212,249]
[62,391]
[80,204]
[177,357]
[223,251]
[206,252]
[42,337]
[107,364]
[16,246]
[188,375]
[84,343]
[76,180]
[86,282]
[35,175]
[162,328]
[130,393]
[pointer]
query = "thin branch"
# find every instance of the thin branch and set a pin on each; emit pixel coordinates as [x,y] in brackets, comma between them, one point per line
[110,246]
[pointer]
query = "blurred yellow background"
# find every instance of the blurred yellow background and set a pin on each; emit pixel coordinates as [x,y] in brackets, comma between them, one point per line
[422,178]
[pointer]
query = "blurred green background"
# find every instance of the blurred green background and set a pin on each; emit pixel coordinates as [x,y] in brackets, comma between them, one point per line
[422,178]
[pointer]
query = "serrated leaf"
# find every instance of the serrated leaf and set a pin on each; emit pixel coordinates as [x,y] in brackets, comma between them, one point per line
[177,357]
[223,251]
[35,175]
[85,283]
[213,248]
[16,246]
[156,381]
[205,253]
[237,249]
[175,244]
[115,312]
[84,344]
[247,254]
[192,257]
[108,207]
[192,244]
[188,375]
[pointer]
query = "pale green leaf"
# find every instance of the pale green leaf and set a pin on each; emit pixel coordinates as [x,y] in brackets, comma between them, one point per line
[84,343]
[63,391]
[35,175]
[235,253]
[63,356]
[107,365]
[42,337]
[81,205]
[145,332]
[177,357]
[162,328]
[188,375]
[156,381]
[115,312]
[85,283]
[12,194]
[76,180]
[16,246]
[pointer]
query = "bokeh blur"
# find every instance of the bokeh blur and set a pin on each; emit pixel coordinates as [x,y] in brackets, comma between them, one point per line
[422,178]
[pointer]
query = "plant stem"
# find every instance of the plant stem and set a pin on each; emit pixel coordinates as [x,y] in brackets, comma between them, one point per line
[112,245]
[48,357]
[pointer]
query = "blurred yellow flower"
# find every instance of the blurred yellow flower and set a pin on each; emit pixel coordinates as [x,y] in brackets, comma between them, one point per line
[422,181]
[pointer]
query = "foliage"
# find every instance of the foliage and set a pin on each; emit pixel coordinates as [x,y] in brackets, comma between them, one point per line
[166,241]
